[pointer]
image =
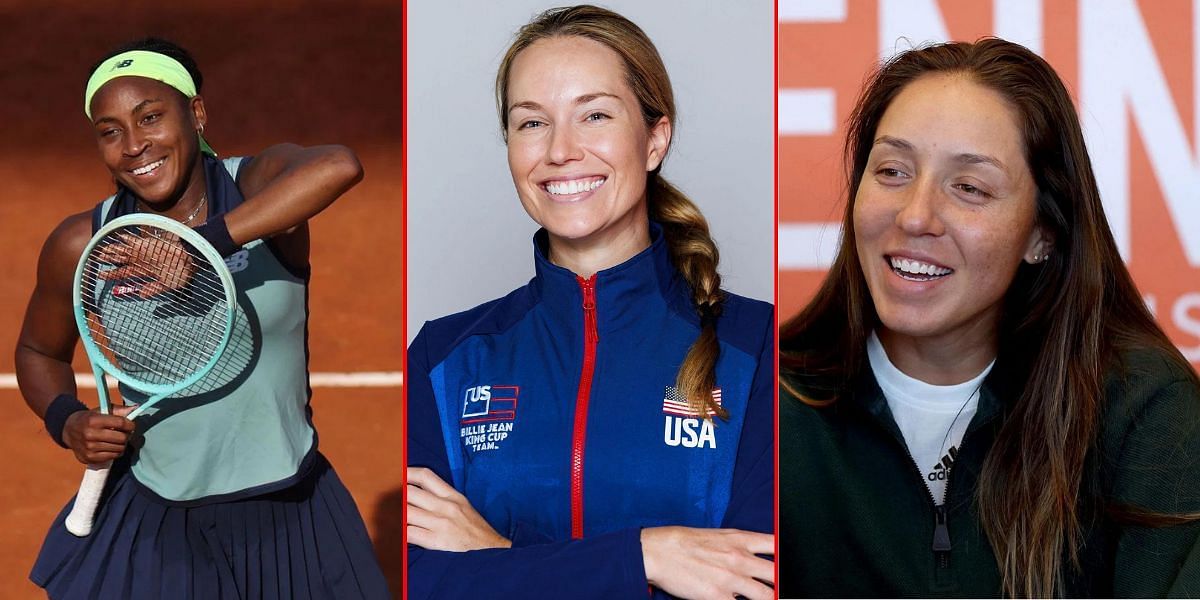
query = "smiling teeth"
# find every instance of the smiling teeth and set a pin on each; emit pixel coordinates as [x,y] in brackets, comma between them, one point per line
[914,267]
[574,186]
[148,168]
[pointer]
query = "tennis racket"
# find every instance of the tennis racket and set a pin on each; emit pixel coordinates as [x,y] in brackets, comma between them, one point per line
[155,305]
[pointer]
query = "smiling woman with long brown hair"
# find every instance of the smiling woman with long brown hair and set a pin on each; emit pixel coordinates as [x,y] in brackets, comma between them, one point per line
[977,402]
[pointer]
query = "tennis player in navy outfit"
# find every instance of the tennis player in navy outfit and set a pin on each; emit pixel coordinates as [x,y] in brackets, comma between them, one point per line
[220,493]
[608,426]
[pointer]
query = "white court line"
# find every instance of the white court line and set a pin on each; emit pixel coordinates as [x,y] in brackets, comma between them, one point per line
[359,379]
[362,379]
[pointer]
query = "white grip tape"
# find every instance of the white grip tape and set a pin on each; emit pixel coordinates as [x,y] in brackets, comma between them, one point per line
[83,513]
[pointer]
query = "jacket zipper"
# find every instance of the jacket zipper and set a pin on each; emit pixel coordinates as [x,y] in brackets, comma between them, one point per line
[590,337]
[941,533]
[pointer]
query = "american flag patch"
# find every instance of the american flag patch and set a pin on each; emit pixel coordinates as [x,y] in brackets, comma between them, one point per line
[675,404]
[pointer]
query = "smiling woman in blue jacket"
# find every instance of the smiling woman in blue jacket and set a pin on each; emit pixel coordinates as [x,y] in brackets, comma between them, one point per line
[609,425]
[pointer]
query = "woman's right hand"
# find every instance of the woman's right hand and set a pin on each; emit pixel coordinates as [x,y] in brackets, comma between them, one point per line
[97,438]
[441,518]
[696,563]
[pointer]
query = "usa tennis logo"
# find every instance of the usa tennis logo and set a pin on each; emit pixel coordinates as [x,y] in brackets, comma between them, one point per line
[488,412]
[683,426]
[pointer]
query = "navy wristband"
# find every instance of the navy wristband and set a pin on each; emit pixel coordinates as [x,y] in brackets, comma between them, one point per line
[63,406]
[215,232]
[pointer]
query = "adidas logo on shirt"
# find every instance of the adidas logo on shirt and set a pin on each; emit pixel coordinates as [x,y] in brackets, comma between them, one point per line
[940,471]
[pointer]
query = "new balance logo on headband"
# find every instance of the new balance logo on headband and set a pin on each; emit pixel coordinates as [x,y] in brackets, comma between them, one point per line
[121,65]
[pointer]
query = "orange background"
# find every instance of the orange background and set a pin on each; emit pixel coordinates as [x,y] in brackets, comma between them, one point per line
[310,73]
[839,55]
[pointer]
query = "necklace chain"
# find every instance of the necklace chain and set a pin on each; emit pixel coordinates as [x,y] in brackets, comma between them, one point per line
[195,211]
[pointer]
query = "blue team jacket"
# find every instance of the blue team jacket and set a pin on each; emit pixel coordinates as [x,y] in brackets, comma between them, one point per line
[553,411]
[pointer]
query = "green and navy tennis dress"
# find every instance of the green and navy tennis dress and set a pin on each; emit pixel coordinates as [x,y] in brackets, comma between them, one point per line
[225,495]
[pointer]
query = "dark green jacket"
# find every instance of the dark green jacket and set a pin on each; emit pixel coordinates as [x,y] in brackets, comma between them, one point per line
[857,520]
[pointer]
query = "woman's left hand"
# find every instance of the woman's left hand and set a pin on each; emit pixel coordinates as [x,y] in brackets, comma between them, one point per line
[440,518]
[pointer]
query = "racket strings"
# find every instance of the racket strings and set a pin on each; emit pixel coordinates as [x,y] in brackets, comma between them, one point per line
[171,352]
[172,349]
[156,307]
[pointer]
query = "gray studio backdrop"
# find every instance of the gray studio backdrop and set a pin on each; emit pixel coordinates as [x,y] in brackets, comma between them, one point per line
[469,240]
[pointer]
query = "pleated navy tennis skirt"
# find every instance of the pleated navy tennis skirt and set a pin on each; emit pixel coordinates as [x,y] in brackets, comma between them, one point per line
[306,541]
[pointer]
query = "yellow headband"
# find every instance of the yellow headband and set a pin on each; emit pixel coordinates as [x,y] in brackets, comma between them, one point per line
[142,63]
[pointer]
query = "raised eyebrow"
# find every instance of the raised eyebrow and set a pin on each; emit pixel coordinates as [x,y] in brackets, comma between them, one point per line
[895,142]
[136,109]
[981,159]
[966,158]
[534,106]
[144,103]
[584,99]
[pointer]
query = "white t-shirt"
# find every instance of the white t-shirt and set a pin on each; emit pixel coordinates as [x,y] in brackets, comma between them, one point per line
[932,418]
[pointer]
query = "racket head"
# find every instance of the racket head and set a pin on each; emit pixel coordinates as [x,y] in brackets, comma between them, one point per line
[167,341]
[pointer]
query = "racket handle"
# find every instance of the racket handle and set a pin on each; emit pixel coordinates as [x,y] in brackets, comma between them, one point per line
[83,512]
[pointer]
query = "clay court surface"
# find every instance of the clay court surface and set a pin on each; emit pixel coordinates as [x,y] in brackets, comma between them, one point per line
[326,73]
